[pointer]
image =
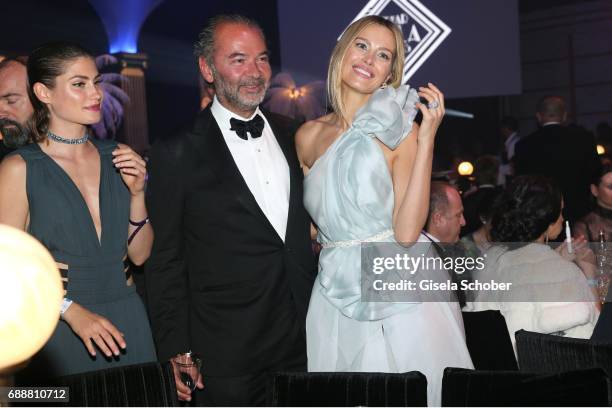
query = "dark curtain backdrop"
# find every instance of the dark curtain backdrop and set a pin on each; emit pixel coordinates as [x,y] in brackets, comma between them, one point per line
[28,23]
[466,139]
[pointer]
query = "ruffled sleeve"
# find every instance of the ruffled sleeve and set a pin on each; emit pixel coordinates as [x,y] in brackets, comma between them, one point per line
[388,115]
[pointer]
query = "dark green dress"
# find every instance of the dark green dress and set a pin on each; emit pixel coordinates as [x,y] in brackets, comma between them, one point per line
[95,276]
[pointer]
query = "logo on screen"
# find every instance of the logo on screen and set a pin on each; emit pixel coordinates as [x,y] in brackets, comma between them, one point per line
[423,31]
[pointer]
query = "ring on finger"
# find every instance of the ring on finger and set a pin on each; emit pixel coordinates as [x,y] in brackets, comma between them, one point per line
[433,104]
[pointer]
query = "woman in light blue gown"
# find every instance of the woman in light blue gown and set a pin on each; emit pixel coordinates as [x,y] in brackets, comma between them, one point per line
[367,176]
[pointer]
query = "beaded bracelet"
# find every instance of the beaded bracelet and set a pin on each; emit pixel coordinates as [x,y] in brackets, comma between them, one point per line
[138,226]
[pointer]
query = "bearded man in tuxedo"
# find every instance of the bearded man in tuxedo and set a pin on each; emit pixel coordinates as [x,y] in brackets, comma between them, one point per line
[231,269]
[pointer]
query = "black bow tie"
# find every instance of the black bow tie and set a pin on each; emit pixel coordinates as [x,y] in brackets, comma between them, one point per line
[254,127]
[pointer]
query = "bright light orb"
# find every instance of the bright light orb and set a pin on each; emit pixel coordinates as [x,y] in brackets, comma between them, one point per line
[465,168]
[295,93]
[601,150]
[30,296]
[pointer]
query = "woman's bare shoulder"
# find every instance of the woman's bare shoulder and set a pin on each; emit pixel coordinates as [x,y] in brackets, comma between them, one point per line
[315,127]
[13,196]
[13,166]
[311,133]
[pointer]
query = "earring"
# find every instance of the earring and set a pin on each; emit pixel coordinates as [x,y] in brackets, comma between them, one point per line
[384,85]
[546,238]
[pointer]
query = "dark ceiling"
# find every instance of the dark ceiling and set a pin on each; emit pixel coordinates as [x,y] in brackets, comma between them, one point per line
[527,6]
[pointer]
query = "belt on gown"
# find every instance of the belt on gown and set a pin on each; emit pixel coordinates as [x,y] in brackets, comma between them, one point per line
[352,242]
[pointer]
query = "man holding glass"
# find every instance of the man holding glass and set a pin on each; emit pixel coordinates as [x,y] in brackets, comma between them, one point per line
[231,268]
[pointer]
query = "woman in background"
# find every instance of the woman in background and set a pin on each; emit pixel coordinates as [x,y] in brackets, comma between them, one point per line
[549,294]
[595,227]
[600,219]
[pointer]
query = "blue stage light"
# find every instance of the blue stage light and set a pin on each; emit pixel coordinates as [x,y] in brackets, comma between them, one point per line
[122,20]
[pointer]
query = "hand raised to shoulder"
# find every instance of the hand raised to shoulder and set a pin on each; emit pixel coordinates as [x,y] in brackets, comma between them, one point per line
[132,167]
[432,117]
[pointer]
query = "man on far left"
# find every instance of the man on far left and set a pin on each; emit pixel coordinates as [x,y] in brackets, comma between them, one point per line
[15,106]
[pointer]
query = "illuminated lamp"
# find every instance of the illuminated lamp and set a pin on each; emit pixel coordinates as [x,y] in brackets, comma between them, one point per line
[304,102]
[465,168]
[31,294]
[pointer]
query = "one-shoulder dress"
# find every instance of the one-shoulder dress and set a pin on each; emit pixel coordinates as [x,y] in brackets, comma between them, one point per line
[349,195]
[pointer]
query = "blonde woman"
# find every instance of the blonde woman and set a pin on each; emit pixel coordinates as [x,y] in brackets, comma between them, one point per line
[367,176]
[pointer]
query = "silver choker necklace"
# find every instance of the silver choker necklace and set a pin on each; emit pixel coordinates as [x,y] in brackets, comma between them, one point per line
[60,139]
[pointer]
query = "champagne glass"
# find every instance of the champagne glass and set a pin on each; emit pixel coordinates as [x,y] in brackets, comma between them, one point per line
[188,366]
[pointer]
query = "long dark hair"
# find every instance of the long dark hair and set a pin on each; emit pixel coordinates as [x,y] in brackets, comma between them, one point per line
[525,209]
[46,63]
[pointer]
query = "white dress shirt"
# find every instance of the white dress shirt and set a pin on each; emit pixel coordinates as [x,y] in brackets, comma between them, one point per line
[429,237]
[262,164]
[506,169]
[510,143]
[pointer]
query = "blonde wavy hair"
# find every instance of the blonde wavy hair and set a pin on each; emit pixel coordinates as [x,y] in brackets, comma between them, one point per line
[334,77]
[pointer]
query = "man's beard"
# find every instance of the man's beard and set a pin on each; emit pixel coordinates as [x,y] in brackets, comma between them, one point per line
[231,92]
[14,134]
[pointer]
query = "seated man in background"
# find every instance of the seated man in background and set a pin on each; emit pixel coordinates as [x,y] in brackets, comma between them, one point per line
[444,223]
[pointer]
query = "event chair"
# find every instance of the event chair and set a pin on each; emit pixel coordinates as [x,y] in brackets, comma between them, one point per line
[348,389]
[149,384]
[488,340]
[555,354]
[463,387]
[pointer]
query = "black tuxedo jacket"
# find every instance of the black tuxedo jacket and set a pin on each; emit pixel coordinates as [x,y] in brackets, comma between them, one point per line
[220,281]
[568,155]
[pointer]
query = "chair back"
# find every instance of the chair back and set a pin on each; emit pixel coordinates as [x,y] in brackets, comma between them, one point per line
[462,387]
[348,389]
[149,384]
[488,340]
[554,354]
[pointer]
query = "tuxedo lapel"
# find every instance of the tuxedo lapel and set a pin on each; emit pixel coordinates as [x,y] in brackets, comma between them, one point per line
[288,147]
[222,164]
[282,139]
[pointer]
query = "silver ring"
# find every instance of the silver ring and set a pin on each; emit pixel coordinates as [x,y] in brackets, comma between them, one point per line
[433,104]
